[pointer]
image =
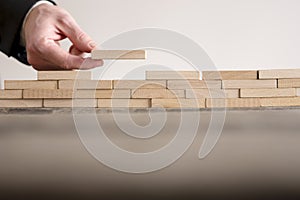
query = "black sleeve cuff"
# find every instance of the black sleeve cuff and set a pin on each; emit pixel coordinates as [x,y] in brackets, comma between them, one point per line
[12,15]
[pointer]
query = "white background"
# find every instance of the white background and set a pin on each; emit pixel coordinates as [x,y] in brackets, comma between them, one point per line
[236,34]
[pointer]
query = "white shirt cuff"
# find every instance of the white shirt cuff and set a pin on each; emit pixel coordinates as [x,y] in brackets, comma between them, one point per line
[22,33]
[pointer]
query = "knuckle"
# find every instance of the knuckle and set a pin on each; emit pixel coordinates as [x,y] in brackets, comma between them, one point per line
[65,19]
[81,36]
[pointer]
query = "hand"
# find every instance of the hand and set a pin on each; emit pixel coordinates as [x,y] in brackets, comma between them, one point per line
[45,26]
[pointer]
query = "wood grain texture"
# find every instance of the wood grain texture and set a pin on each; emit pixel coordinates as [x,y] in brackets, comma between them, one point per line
[279,74]
[251,84]
[289,83]
[281,92]
[47,94]
[178,103]
[196,84]
[118,54]
[157,94]
[280,102]
[29,84]
[172,75]
[21,103]
[136,84]
[211,93]
[123,103]
[103,94]
[64,75]
[69,103]
[11,94]
[86,84]
[233,103]
[229,75]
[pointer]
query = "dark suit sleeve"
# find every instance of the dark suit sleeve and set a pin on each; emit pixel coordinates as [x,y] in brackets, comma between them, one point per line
[12,14]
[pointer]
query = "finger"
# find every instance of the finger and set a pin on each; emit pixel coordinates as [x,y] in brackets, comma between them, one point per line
[88,63]
[75,51]
[78,37]
[42,64]
[65,60]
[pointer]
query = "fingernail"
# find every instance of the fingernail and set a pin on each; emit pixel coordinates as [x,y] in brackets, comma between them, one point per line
[92,44]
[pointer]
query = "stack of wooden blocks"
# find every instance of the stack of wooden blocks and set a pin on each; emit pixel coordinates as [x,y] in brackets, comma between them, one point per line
[168,89]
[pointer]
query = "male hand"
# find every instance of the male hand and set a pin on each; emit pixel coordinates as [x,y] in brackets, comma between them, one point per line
[45,26]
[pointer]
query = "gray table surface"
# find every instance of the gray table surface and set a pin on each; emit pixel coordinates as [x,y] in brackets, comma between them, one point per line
[257,155]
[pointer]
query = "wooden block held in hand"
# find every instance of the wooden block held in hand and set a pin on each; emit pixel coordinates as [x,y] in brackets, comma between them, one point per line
[229,75]
[21,103]
[86,84]
[193,84]
[64,75]
[233,103]
[211,93]
[47,94]
[11,94]
[139,84]
[69,103]
[123,103]
[251,84]
[157,94]
[280,92]
[118,54]
[279,74]
[178,103]
[172,75]
[28,84]
[280,102]
[289,83]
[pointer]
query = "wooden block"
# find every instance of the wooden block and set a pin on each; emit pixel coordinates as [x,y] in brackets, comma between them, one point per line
[139,84]
[11,94]
[178,103]
[69,103]
[236,84]
[157,94]
[64,75]
[22,85]
[279,74]
[47,94]
[281,92]
[86,84]
[193,84]
[298,92]
[229,75]
[172,75]
[123,103]
[21,103]
[289,83]
[103,94]
[233,103]
[211,93]
[280,102]
[118,54]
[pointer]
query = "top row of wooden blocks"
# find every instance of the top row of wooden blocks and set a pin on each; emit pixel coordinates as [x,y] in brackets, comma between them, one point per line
[183,75]
[251,74]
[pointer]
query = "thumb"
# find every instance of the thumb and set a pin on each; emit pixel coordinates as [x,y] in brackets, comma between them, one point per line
[82,41]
